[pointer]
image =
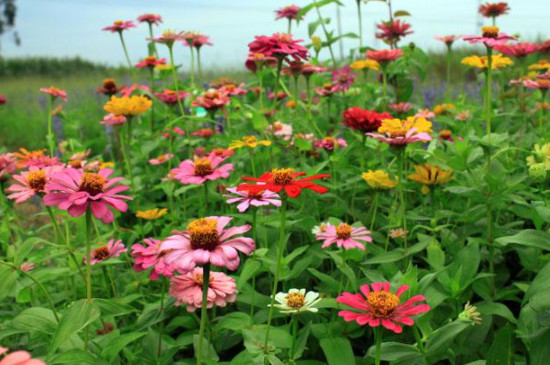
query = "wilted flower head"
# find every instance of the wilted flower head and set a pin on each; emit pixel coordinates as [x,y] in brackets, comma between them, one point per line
[470,313]
[430,175]
[296,301]
[119,26]
[398,233]
[379,179]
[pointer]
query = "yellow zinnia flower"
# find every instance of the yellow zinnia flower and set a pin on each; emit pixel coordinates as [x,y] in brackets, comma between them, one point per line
[499,61]
[128,106]
[430,175]
[399,127]
[541,65]
[444,109]
[378,179]
[365,65]
[248,141]
[541,155]
[151,214]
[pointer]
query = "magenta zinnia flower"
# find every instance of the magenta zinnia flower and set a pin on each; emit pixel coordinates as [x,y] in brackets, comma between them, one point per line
[187,289]
[379,306]
[246,199]
[76,191]
[342,78]
[206,240]
[149,255]
[111,249]
[491,37]
[519,50]
[344,236]
[171,97]
[279,45]
[31,182]
[161,159]
[201,170]
[289,12]
[329,143]
[392,31]
[112,120]
[255,61]
[120,26]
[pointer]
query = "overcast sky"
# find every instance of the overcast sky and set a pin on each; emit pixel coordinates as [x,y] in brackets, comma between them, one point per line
[73,27]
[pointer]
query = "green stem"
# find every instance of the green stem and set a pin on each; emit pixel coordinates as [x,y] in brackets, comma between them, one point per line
[326,33]
[488,101]
[401,192]
[199,74]
[374,211]
[192,72]
[255,238]
[88,254]
[132,70]
[261,91]
[360,19]
[152,121]
[161,323]
[51,136]
[204,309]
[378,344]
[418,338]
[175,79]
[152,42]
[294,325]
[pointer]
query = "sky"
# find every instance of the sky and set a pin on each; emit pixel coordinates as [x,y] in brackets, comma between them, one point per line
[66,28]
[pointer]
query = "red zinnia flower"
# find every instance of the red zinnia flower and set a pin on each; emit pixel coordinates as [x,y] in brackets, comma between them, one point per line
[119,26]
[492,10]
[279,45]
[391,32]
[363,120]
[284,179]
[151,62]
[290,12]
[519,50]
[150,18]
[379,306]
[384,56]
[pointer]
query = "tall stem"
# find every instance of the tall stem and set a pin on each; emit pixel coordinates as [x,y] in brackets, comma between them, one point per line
[255,238]
[175,79]
[51,136]
[152,77]
[378,344]
[199,66]
[88,254]
[132,70]
[294,325]
[154,46]
[488,101]
[326,33]
[192,65]
[204,309]
[401,192]
[161,323]
[360,19]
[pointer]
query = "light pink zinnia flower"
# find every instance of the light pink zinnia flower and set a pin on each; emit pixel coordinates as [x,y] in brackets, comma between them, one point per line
[31,182]
[448,39]
[401,107]
[201,170]
[151,256]
[112,120]
[490,37]
[75,191]
[8,165]
[425,113]
[187,289]
[119,26]
[18,358]
[206,240]
[55,92]
[246,199]
[112,249]
[344,236]
[161,159]
[280,130]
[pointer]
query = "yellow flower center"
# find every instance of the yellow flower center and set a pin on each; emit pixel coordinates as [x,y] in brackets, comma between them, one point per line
[203,233]
[382,303]
[445,134]
[282,176]
[77,163]
[37,180]
[249,140]
[277,126]
[295,300]
[203,167]
[490,32]
[92,183]
[284,37]
[118,22]
[150,59]
[101,253]
[343,231]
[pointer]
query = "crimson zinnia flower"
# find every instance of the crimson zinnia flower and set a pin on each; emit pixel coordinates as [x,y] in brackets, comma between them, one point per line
[283,179]
[391,32]
[290,12]
[363,120]
[492,10]
[379,306]
[151,62]
[519,50]
[279,45]
[150,18]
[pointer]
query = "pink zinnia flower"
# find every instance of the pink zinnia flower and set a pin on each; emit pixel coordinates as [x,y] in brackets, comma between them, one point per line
[187,289]
[220,153]
[519,50]
[200,41]
[279,45]
[161,159]
[491,37]
[31,182]
[401,107]
[384,56]
[211,100]
[8,165]
[174,132]
[246,199]
[379,306]
[112,120]
[540,83]
[151,62]
[168,38]
[111,249]
[392,31]
[150,18]
[233,90]
[344,236]
[328,143]
[55,92]
[127,91]
[171,97]
[18,358]
[256,61]
[206,240]
[342,78]
[327,89]
[76,191]
[149,255]
[201,170]
[309,69]
[289,12]
[279,129]
[448,39]
[119,26]
[425,113]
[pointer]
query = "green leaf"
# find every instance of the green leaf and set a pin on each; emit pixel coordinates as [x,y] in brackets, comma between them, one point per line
[337,350]
[79,315]
[114,347]
[36,320]
[440,340]
[74,356]
[324,278]
[502,349]
[401,13]
[540,283]
[113,307]
[498,309]
[394,351]
[528,237]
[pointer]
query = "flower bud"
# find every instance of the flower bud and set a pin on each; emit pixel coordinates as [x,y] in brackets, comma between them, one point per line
[470,313]
[537,172]
[317,44]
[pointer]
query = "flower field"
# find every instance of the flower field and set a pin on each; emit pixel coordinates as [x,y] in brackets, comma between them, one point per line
[319,210]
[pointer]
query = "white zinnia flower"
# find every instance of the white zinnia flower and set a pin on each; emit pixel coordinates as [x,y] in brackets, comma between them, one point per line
[297,301]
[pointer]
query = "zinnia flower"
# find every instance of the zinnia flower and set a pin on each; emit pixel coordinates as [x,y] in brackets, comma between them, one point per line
[540,83]
[109,87]
[128,106]
[365,65]
[150,255]
[329,143]
[204,133]
[448,39]
[378,179]
[206,240]
[498,61]
[161,159]
[18,358]
[297,301]
[279,129]
[201,170]
[430,175]
[120,26]
[211,100]
[379,306]
[384,56]
[327,89]
[289,12]
[256,61]
[187,289]
[151,62]
[171,97]
[111,249]
[168,37]
[34,158]
[279,45]
[31,182]
[246,199]
[518,50]
[363,120]
[344,236]
[401,107]
[284,179]
[444,109]
[233,89]
[76,191]
[55,93]
[490,36]
[152,214]
[27,266]
[8,165]
[112,120]
[248,141]
[342,78]
[541,154]
[492,10]
[127,91]
[150,18]
[392,31]
[402,132]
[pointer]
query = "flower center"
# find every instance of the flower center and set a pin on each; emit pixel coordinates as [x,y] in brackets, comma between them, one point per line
[204,234]
[118,22]
[92,183]
[283,37]
[343,231]
[109,83]
[249,139]
[282,176]
[101,253]
[203,167]
[382,303]
[150,59]
[277,126]
[295,300]
[77,163]
[490,32]
[256,196]
[37,180]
